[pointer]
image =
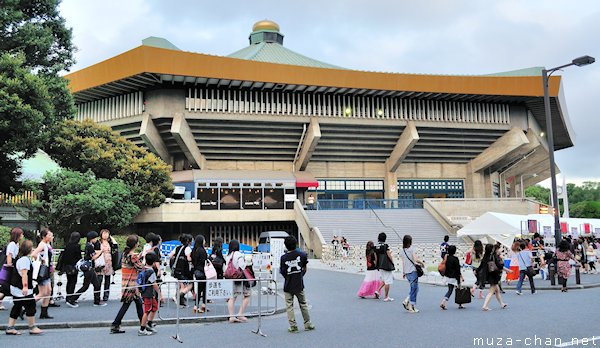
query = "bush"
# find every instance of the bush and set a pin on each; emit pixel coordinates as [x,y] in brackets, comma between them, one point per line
[4,236]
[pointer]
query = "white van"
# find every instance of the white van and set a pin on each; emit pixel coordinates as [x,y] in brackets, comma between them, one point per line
[264,240]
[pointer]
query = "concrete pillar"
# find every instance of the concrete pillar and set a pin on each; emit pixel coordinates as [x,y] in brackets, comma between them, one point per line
[405,143]
[185,139]
[311,139]
[149,133]
[501,148]
[390,185]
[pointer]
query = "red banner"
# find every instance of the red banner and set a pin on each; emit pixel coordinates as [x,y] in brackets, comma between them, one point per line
[564,227]
[532,226]
[587,228]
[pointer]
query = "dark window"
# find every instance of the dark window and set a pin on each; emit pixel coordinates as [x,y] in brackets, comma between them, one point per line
[230,198]
[274,199]
[252,198]
[209,198]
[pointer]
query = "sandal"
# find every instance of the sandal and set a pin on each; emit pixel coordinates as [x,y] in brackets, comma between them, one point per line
[242,319]
[234,320]
[12,331]
[485,309]
[442,306]
[195,310]
[35,331]
[504,306]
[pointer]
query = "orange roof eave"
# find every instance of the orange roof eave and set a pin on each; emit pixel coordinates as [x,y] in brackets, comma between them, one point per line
[146,59]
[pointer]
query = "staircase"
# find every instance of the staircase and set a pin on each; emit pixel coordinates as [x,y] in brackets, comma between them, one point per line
[360,226]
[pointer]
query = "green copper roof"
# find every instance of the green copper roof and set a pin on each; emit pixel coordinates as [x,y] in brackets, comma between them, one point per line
[159,42]
[272,52]
[535,71]
[266,45]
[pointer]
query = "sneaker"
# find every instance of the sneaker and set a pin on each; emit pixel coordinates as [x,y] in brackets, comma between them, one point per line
[519,293]
[116,330]
[151,329]
[377,295]
[413,309]
[405,303]
[292,329]
[72,304]
[388,299]
[153,325]
[533,293]
[145,333]
[99,304]
[309,327]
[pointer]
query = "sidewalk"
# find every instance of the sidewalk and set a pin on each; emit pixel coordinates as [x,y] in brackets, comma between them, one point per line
[434,278]
[88,315]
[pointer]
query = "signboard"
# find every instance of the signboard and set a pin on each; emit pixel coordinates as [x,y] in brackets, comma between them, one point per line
[217,289]
[574,231]
[290,197]
[532,226]
[547,231]
[277,249]
[597,231]
[261,262]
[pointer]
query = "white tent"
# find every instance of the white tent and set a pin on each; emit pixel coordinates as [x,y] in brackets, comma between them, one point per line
[494,227]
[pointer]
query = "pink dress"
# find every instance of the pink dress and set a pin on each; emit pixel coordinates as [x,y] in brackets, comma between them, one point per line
[108,269]
[372,281]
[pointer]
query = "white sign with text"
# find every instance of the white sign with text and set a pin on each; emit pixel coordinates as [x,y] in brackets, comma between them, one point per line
[217,289]
[277,249]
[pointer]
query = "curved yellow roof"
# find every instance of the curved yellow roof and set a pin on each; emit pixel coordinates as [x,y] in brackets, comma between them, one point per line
[265,24]
[146,59]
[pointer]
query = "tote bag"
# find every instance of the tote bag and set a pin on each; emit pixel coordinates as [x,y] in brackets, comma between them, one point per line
[209,270]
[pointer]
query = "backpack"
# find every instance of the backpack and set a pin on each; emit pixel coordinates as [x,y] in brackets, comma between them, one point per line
[179,264]
[3,256]
[141,280]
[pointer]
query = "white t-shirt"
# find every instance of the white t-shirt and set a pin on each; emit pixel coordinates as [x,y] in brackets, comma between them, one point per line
[408,266]
[12,249]
[22,263]
[239,261]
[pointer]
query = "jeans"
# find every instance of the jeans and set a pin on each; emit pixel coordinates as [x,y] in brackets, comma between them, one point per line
[522,274]
[71,283]
[289,305]
[413,279]
[449,292]
[106,279]
[89,277]
[125,307]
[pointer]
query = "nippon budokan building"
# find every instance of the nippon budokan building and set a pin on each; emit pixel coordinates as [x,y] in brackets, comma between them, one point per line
[253,135]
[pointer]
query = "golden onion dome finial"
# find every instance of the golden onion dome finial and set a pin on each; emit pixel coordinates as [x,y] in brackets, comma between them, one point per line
[265,24]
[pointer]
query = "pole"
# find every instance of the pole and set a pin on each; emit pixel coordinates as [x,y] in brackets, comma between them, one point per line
[177,296]
[550,139]
[258,330]
[522,188]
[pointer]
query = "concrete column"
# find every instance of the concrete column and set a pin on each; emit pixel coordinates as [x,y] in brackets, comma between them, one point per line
[149,133]
[390,184]
[406,142]
[311,139]
[185,139]
[501,148]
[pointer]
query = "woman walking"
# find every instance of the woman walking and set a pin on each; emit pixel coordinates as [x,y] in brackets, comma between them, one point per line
[130,292]
[12,250]
[563,255]
[106,244]
[491,271]
[44,255]
[236,260]
[525,268]
[216,257]
[182,258]
[371,283]
[452,275]
[69,258]
[476,256]
[199,258]
[409,268]
[89,277]
[21,288]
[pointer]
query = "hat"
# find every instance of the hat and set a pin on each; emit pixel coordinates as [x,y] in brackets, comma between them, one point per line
[92,234]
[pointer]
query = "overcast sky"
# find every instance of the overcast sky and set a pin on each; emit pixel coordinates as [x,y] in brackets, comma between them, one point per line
[428,36]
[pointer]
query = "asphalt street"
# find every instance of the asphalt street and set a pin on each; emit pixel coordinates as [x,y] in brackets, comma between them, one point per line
[344,320]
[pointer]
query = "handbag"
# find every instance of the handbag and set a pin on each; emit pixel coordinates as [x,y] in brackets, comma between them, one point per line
[419,269]
[462,295]
[5,276]
[384,262]
[233,272]
[442,266]
[492,265]
[43,273]
[100,262]
[249,275]
[117,260]
[209,270]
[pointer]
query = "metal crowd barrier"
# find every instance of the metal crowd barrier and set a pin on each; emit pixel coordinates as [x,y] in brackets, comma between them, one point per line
[263,301]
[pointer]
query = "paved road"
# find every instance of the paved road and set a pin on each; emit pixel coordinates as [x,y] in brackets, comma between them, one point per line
[343,320]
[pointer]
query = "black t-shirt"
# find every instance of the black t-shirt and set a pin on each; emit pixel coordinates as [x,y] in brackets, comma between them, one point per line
[383,261]
[292,269]
[89,252]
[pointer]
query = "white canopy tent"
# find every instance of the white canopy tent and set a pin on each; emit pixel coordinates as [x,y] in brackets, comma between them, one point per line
[494,227]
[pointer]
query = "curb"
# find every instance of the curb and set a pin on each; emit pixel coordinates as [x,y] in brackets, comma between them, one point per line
[107,324]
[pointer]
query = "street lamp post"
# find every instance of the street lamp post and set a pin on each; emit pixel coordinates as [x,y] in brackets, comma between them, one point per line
[522,187]
[581,61]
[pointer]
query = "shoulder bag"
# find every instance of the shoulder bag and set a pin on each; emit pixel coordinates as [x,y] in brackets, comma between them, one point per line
[529,268]
[232,272]
[419,269]
[209,270]
[442,266]
[384,263]
[492,265]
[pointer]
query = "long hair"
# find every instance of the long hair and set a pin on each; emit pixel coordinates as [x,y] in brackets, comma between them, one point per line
[25,248]
[102,232]
[370,248]
[234,245]
[217,247]
[15,234]
[198,244]
[489,249]
[406,241]
[74,238]
[130,244]
[478,247]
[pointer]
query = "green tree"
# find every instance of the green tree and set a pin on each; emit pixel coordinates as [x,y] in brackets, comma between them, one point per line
[74,201]
[539,193]
[587,209]
[35,46]
[86,146]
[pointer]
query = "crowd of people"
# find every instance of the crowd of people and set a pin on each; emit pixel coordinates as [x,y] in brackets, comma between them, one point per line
[487,263]
[141,272]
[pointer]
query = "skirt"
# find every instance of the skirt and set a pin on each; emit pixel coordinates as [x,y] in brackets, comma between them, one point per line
[370,284]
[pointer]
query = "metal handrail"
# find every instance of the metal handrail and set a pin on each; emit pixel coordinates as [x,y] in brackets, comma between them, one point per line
[342,204]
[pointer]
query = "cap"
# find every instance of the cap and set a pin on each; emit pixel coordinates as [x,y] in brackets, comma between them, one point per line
[92,235]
